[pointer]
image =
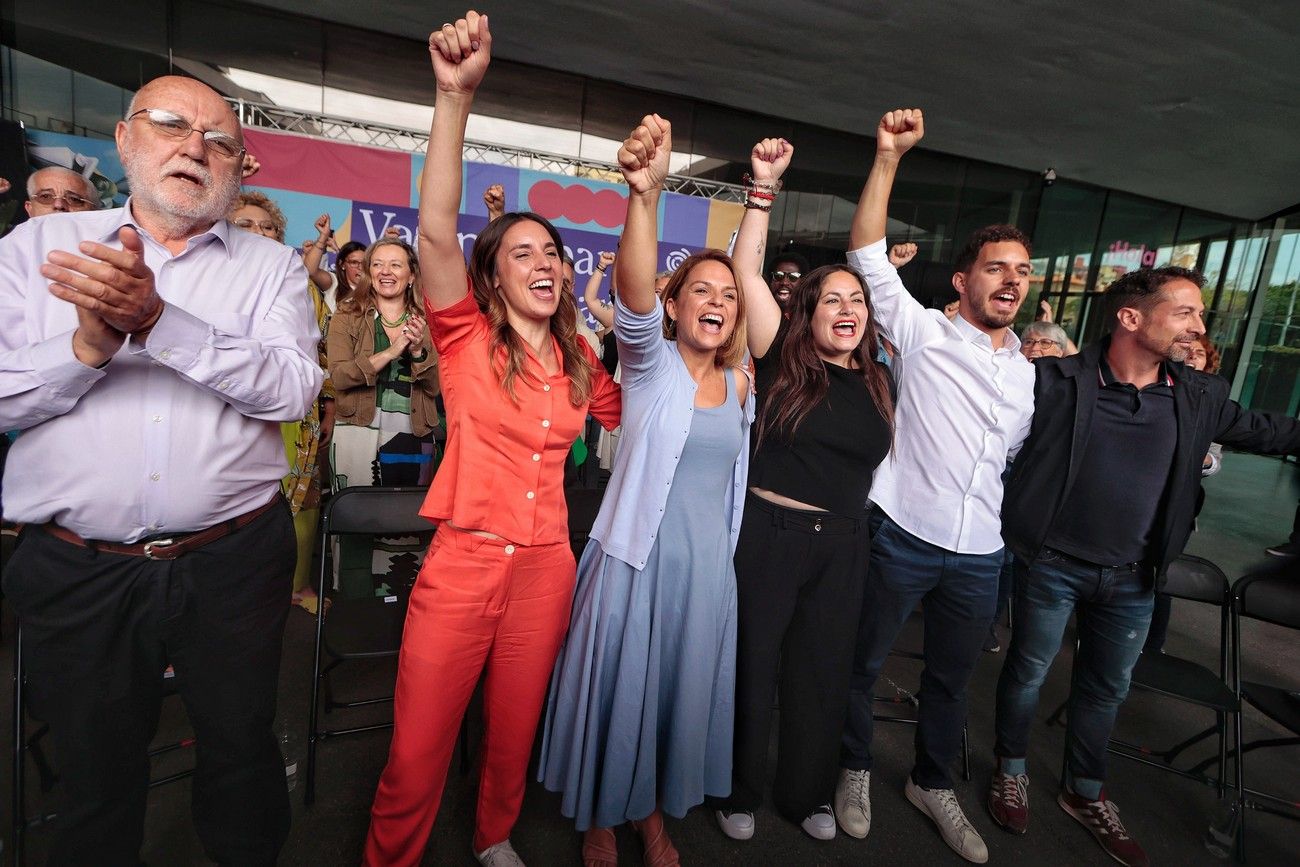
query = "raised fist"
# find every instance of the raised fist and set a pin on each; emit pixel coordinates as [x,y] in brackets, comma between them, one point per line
[1045,313]
[494,198]
[250,166]
[901,254]
[644,154]
[604,260]
[899,130]
[460,53]
[323,225]
[770,158]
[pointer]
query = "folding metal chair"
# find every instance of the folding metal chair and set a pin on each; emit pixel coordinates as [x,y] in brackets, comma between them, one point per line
[1193,579]
[1271,597]
[358,629]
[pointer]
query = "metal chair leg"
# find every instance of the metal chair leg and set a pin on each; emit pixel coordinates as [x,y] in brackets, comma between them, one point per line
[309,786]
[18,811]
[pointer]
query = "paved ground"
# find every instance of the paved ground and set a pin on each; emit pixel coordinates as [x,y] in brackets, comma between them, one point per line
[1250,504]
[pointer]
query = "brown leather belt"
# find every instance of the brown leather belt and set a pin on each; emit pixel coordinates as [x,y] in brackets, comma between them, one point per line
[171,547]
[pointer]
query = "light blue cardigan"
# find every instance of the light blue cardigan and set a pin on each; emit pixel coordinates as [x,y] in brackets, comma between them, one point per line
[658,403]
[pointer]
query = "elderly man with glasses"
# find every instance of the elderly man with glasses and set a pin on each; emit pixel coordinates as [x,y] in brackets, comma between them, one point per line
[148,354]
[56,189]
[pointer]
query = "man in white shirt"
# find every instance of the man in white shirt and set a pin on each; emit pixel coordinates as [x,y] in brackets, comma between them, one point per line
[965,399]
[148,354]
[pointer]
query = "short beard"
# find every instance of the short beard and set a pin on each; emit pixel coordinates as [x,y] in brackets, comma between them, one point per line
[986,317]
[143,182]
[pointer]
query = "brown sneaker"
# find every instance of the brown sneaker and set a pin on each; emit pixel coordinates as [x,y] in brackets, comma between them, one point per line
[1101,818]
[1009,801]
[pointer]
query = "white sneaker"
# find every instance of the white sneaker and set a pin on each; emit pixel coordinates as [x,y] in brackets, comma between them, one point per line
[820,823]
[500,855]
[957,831]
[853,803]
[737,826]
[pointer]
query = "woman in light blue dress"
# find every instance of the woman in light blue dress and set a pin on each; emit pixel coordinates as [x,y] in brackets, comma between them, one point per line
[640,716]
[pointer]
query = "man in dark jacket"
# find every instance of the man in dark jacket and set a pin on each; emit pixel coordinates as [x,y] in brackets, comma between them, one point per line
[1099,503]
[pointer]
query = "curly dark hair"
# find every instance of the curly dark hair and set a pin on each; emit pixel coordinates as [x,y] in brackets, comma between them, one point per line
[989,235]
[1141,289]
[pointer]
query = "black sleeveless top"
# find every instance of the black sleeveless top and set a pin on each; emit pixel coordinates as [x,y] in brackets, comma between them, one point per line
[830,459]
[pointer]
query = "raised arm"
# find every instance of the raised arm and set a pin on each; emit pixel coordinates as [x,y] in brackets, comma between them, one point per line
[898,131]
[644,161]
[312,256]
[460,53]
[602,312]
[904,321]
[768,161]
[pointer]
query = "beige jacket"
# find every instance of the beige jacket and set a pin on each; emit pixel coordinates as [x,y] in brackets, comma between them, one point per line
[351,342]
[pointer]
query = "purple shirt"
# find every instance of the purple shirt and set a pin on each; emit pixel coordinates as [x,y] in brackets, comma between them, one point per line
[172,436]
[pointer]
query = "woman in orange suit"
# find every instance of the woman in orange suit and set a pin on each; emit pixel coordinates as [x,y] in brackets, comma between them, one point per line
[494,593]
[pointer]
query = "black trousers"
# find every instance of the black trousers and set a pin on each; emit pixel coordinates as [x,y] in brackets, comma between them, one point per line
[799,581]
[98,631]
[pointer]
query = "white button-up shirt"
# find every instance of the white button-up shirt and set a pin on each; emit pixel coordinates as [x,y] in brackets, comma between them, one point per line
[963,406]
[176,435]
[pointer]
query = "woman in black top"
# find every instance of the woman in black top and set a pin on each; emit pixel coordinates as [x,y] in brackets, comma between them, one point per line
[824,424]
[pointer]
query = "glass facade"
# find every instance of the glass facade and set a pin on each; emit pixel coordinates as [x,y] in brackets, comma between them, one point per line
[72,67]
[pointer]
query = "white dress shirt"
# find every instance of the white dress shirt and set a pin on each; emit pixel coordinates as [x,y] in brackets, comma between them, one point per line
[962,408]
[173,436]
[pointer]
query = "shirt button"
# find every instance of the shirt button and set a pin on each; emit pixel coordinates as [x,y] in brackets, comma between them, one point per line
[537,457]
[530,495]
[546,388]
[546,422]
[157,418]
[224,384]
[510,549]
[166,353]
[155,476]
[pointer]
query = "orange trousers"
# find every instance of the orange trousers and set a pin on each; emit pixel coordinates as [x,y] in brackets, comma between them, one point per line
[477,604]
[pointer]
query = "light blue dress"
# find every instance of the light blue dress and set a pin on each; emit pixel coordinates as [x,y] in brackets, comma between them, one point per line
[642,700]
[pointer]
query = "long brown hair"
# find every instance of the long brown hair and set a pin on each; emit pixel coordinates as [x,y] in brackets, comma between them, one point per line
[507,347]
[732,351]
[364,297]
[801,380]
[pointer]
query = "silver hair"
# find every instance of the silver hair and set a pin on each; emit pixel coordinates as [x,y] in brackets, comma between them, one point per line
[663,274]
[1048,330]
[88,187]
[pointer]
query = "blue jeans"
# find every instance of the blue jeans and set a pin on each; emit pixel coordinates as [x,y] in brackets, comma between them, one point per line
[1114,611]
[958,593]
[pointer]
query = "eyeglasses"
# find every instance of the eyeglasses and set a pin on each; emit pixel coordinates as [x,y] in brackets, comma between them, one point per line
[173,125]
[254,224]
[786,275]
[1040,342]
[71,201]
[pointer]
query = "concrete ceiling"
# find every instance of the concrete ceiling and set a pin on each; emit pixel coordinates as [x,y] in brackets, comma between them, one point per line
[1195,102]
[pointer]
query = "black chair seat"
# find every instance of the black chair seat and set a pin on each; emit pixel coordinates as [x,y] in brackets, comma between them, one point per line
[1183,679]
[1281,705]
[365,628]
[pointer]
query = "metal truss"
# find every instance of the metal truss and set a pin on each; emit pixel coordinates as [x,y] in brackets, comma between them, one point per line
[265,116]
